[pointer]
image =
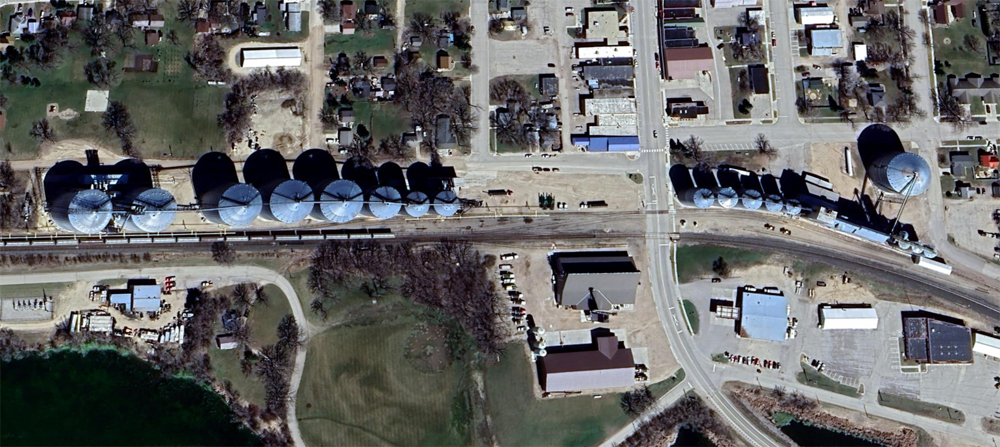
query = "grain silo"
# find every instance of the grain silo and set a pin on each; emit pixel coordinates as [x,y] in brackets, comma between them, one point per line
[85,211]
[728,197]
[417,177]
[698,197]
[390,174]
[773,203]
[446,203]
[361,173]
[315,167]
[213,171]
[384,202]
[793,207]
[151,211]
[752,199]
[236,205]
[417,204]
[285,200]
[339,201]
[889,167]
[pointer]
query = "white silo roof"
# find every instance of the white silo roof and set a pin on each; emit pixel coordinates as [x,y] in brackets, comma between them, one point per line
[90,211]
[240,205]
[291,201]
[417,204]
[158,209]
[751,199]
[384,202]
[341,201]
[446,203]
[728,197]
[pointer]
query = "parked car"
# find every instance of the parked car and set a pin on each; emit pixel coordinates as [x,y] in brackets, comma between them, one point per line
[508,256]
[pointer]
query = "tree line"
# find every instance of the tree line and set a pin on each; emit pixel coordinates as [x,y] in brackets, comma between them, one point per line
[689,412]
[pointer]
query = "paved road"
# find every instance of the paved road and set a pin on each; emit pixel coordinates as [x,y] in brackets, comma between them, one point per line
[221,276]
[480,82]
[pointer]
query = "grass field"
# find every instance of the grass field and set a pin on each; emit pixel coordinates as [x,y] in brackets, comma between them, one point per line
[519,419]
[811,377]
[383,119]
[174,116]
[33,290]
[264,319]
[435,7]
[226,366]
[358,388]
[695,261]
[961,59]
[738,95]
[378,42]
[919,407]
[692,315]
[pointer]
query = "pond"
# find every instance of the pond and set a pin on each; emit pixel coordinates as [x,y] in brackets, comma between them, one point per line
[810,436]
[686,437]
[105,398]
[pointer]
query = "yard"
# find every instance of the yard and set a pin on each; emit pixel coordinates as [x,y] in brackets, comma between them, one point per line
[738,95]
[383,119]
[695,261]
[815,379]
[362,385]
[378,42]
[521,419]
[961,47]
[173,115]
[919,407]
[692,315]
[434,8]
[33,290]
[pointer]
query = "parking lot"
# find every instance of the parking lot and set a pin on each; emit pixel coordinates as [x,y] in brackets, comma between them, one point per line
[869,359]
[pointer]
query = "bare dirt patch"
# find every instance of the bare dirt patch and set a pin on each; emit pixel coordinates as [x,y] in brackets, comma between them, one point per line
[427,348]
[617,190]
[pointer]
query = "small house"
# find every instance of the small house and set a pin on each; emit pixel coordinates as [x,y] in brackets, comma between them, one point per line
[519,13]
[345,137]
[548,85]
[989,161]
[152,37]
[348,12]
[962,163]
[442,132]
[416,41]
[156,21]
[85,12]
[201,26]
[388,83]
[380,62]
[371,7]
[226,341]
[444,61]
[346,116]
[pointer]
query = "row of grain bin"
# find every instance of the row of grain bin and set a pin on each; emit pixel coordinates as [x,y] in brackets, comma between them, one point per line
[730,188]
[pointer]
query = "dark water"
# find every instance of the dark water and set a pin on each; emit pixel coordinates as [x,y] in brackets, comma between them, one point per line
[104,398]
[687,437]
[811,436]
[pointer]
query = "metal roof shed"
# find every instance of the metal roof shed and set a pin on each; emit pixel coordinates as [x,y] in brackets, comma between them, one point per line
[763,316]
[848,318]
[825,41]
[145,304]
[270,57]
[987,345]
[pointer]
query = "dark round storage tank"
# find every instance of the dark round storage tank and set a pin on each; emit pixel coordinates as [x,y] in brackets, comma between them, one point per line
[63,177]
[360,173]
[416,176]
[315,167]
[390,174]
[212,171]
[888,165]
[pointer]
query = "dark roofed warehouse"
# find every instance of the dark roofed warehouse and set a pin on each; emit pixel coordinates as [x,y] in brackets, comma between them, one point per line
[934,340]
[597,281]
[603,364]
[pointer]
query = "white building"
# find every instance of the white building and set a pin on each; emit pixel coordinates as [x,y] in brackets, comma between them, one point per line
[825,42]
[604,52]
[848,318]
[816,15]
[984,344]
[860,51]
[270,57]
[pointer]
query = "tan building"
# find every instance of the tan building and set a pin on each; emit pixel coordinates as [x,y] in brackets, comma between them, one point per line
[604,24]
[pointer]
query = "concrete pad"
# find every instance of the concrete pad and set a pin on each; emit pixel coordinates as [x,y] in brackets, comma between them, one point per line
[97,101]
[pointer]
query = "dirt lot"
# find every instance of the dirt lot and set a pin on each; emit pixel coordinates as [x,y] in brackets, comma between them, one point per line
[617,190]
[275,127]
[642,325]
[964,218]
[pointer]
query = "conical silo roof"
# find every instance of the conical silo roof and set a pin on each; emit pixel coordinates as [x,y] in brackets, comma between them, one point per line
[290,201]
[153,210]
[774,204]
[446,203]
[340,201]
[417,204]
[793,207]
[752,199]
[384,202]
[728,197]
[239,205]
[87,211]
[704,198]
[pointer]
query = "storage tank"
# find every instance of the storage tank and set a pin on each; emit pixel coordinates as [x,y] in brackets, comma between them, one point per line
[212,172]
[888,165]
[728,198]
[903,244]
[339,201]
[289,202]
[930,252]
[236,205]
[361,173]
[152,211]
[85,211]
[752,199]
[390,174]
[774,204]
[384,202]
[704,198]
[417,204]
[446,203]
[793,207]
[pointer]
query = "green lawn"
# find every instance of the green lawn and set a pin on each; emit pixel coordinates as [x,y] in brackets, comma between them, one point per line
[226,366]
[378,42]
[919,407]
[436,7]
[264,319]
[383,119]
[692,315]
[358,388]
[33,290]
[811,377]
[519,419]
[174,116]
[663,387]
[738,96]
[695,261]
[962,60]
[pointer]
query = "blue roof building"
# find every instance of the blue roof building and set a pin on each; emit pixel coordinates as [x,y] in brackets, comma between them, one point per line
[607,144]
[763,315]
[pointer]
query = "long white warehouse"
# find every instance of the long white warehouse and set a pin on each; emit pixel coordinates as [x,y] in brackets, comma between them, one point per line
[848,318]
[270,57]
[987,345]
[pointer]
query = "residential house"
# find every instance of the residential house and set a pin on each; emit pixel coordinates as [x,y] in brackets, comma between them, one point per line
[345,137]
[152,37]
[876,95]
[685,108]
[963,165]
[379,62]
[260,14]
[226,341]
[442,133]
[371,8]
[974,87]
[346,117]
[416,41]
[85,12]
[519,13]
[444,61]
[947,11]
[502,5]
[989,161]
[201,26]
[67,17]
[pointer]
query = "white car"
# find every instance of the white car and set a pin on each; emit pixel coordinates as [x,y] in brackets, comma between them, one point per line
[508,256]
[506,266]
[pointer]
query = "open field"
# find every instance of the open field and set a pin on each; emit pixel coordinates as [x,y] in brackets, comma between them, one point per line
[919,407]
[811,377]
[519,418]
[379,42]
[226,366]
[434,8]
[695,261]
[33,290]
[173,115]
[359,388]
[264,319]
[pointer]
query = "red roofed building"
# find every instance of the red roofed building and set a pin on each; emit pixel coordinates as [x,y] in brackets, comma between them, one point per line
[604,365]
[989,160]
[687,63]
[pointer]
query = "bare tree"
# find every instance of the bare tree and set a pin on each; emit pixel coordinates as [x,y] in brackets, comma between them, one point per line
[101,72]
[42,131]
[317,307]
[764,146]
[188,10]
[117,118]
[223,253]
[422,24]
[330,9]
